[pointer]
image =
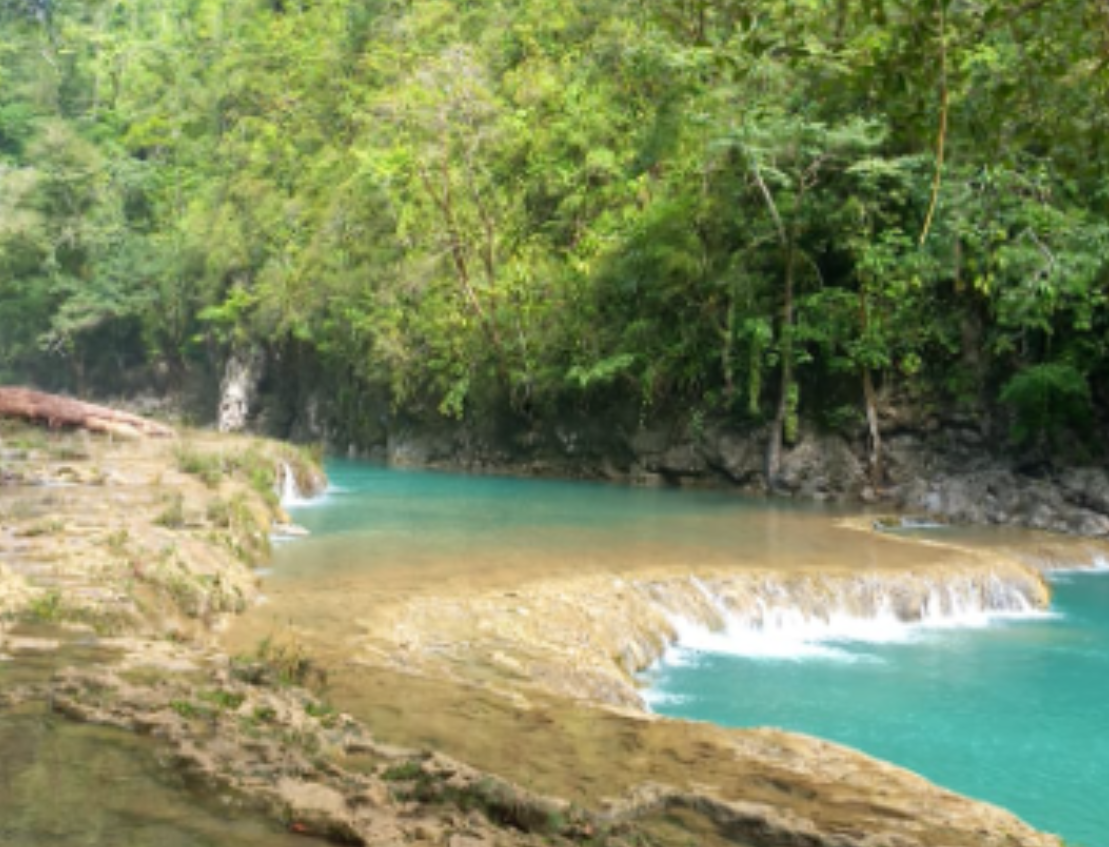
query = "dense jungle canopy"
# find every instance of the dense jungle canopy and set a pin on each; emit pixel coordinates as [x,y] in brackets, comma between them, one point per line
[758,209]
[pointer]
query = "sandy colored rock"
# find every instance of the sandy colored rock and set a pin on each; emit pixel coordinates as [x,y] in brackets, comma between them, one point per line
[523,685]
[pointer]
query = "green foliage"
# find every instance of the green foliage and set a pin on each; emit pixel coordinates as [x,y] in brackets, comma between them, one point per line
[173,515]
[1047,398]
[221,699]
[218,513]
[280,661]
[117,540]
[403,772]
[47,607]
[467,207]
[600,373]
[191,711]
[792,421]
[208,467]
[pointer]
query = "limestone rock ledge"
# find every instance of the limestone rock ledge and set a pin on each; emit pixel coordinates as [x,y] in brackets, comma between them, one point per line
[587,637]
[326,775]
[158,542]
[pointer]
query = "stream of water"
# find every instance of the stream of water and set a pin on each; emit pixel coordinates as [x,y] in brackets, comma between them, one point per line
[1011,710]
[1013,713]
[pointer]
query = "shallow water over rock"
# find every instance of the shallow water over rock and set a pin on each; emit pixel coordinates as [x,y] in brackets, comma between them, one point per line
[473,600]
[73,785]
[1013,713]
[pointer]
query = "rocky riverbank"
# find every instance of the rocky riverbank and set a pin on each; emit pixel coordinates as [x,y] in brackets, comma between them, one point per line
[955,468]
[125,561]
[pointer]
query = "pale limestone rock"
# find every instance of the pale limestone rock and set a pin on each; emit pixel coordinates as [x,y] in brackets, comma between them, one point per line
[239,388]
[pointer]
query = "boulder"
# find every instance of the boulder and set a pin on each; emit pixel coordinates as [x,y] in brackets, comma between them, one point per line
[822,467]
[738,456]
[1087,487]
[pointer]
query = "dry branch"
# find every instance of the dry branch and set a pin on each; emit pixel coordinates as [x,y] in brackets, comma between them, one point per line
[56,411]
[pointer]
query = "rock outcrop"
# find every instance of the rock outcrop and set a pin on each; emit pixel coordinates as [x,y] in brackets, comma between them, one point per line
[946,470]
[242,375]
[156,542]
[587,637]
[282,750]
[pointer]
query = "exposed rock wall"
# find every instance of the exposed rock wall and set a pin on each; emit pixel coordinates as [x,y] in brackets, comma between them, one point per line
[950,472]
[242,375]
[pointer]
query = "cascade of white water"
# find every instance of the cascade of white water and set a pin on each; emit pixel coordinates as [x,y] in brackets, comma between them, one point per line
[290,492]
[806,617]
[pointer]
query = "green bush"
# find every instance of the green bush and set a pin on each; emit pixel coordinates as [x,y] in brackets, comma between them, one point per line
[173,516]
[208,467]
[1046,399]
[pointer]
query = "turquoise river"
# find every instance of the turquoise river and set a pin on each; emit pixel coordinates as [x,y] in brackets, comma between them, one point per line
[1011,711]
[1014,713]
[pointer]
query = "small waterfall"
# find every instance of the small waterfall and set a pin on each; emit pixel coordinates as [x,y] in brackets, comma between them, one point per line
[803,617]
[289,491]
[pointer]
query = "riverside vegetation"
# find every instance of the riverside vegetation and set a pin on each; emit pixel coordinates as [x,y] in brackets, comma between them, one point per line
[744,222]
[762,213]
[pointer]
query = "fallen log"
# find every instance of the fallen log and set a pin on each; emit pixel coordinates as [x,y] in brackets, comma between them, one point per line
[56,411]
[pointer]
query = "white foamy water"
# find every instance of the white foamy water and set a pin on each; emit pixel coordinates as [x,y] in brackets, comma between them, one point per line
[291,495]
[293,498]
[776,625]
[662,698]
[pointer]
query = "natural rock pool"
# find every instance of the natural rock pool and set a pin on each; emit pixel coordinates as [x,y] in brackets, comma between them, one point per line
[991,697]
[1013,712]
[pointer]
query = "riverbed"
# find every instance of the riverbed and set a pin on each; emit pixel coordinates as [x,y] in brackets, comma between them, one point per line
[392,550]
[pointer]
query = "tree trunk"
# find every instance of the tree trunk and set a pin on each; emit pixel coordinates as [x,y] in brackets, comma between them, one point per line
[56,411]
[457,249]
[726,352]
[777,430]
[875,457]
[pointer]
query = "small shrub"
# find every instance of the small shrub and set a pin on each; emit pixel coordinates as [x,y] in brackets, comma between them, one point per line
[404,772]
[226,700]
[206,466]
[219,513]
[173,516]
[47,608]
[117,541]
[50,527]
[282,663]
[323,712]
[191,711]
[845,420]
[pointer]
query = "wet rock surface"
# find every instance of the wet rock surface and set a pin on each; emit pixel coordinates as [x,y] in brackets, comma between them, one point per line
[282,750]
[121,565]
